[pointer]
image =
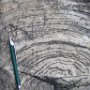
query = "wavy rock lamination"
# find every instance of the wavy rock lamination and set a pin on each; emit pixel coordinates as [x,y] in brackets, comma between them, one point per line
[52,41]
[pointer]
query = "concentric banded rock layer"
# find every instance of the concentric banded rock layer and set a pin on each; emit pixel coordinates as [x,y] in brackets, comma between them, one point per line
[52,42]
[5,80]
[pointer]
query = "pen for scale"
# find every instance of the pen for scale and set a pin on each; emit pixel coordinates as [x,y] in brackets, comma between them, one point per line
[15,67]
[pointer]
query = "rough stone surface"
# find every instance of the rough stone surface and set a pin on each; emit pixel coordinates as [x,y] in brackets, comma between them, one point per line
[52,42]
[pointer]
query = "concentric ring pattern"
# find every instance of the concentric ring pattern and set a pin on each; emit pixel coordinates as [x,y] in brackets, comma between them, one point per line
[52,39]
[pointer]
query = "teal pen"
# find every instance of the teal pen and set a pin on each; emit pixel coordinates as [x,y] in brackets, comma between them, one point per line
[15,68]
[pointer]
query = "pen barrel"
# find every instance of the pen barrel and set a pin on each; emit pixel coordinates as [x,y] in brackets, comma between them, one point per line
[13,57]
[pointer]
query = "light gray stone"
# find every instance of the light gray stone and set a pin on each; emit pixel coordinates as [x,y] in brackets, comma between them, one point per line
[52,43]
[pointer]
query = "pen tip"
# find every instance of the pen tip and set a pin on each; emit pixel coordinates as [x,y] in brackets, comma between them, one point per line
[19,87]
[11,42]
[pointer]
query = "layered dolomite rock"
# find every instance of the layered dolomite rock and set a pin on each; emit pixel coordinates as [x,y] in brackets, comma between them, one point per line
[52,42]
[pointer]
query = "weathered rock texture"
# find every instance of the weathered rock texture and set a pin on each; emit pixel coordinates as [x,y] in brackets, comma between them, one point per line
[52,42]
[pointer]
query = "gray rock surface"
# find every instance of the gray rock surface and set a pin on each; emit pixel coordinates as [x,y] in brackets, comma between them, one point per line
[5,80]
[52,42]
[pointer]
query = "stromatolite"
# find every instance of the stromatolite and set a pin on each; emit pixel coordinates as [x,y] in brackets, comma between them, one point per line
[5,80]
[52,42]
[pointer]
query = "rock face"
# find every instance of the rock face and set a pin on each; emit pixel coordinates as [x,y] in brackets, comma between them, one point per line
[52,42]
[5,80]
